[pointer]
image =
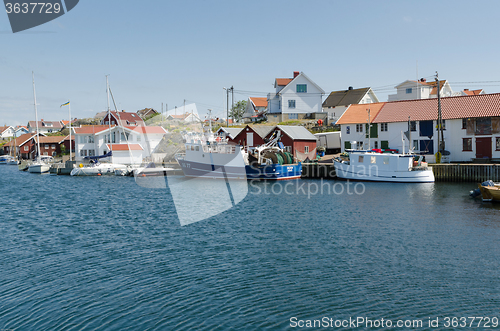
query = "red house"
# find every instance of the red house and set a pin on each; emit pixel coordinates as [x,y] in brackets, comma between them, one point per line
[296,140]
[252,136]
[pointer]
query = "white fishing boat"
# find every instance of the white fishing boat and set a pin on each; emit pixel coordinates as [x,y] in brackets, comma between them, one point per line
[39,166]
[374,165]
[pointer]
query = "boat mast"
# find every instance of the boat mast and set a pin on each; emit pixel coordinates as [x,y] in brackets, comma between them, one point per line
[70,143]
[369,129]
[109,119]
[36,118]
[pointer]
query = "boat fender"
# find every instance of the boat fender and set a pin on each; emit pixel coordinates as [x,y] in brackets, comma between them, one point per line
[81,165]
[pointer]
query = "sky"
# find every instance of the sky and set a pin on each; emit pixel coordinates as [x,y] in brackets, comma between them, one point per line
[161,51]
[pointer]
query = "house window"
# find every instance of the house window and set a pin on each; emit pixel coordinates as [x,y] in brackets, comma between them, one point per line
[415,145]
[53,146]
[375,144]
[91,152]
[497,143]
[347,130]
[47,146]
[26,148]
[359,145]
[464,123]
[413,125]
[293,116]
[359,127]
[409,90]
[306,149]
[288,149]
[443,123]
[83,152]
[114,137]
[139,138]
[291,103]
[91,139]
[383,127]
[54,153]
[467,144]
[301,88]
[384,144]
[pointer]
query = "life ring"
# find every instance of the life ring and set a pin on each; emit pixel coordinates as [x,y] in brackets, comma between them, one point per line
[320,122]
[218,139]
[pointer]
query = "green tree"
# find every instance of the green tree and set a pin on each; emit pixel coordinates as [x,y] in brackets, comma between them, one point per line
[238,110]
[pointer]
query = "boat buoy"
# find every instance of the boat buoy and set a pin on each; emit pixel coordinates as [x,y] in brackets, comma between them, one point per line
[80,165]
[98,174]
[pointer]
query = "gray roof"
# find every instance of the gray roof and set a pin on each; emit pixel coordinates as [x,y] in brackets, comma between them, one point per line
[296,132]
[262,130]
[231,132]
[345,97]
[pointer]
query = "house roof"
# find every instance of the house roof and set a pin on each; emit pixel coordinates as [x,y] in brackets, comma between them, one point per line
[261,130]
[124,147]
[50,139]
[88,129]
[473,92]
[147,129]
[46,124]
[345,97]
[356,114]
[125,117]
[259,102]
[21,140]
[231,132]
[483,105]
[296,132]
[283,81]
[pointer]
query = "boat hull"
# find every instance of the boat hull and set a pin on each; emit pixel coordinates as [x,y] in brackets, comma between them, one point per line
[266,172]
[490,193]
[38,168]
[352,172]
[99,170]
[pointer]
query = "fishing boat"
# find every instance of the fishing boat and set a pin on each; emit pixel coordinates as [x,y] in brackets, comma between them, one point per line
[39,166]
[490,191]
[5,159]
[211,156]
[375,165]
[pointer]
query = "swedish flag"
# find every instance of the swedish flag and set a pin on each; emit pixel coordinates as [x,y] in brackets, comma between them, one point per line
[65,104]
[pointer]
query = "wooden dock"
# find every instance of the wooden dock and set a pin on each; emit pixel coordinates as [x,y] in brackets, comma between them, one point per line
[466,172]
[444,172]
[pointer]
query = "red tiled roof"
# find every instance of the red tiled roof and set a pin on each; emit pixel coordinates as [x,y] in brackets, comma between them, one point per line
[50,140]
[125,147]
[259,102]
[358,113]
[473,92]
[21,139]
[283,81]
[87,129]
[3,128]
[125,116]
[148,129]
[483,105]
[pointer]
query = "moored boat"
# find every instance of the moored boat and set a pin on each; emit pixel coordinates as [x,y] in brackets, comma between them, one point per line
[386,167]
[97,169]
[490,191]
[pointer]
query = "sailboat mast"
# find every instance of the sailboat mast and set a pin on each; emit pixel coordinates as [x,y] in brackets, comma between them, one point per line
[36,117]
[109,119]
[70,143]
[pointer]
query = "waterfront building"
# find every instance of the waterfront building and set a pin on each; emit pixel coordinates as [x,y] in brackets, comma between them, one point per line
[471,126]
[45,126]
[422,89]
[338,101]
[252,136]
[7,132]
[255,109]
[95,140]
[296,140]
[294,98]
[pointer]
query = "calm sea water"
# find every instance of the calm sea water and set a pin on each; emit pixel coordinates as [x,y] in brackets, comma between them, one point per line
[105,254]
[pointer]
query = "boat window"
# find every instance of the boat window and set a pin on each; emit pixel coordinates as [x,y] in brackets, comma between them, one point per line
[386,160]
[360,159]
[192,147]
[373,159]
[197,148]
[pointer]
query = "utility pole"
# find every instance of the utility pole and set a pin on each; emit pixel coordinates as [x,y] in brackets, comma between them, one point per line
[227,107]
[439,124]
[232,101]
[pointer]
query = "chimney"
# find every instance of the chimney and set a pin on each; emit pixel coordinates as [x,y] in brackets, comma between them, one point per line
[295,74]
[423,80]
[350,88]
[466,89]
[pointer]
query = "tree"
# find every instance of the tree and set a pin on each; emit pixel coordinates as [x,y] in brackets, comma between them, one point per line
[238,110]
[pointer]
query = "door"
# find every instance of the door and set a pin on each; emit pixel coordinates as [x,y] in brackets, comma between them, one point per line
[427,146]
[250,139]
[483,148]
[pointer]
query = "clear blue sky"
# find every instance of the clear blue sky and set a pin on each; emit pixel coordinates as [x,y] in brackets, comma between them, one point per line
[166,51]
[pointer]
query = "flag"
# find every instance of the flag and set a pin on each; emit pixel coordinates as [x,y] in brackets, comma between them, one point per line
[65,104]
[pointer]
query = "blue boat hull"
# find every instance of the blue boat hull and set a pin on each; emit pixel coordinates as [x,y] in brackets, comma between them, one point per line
[267,172]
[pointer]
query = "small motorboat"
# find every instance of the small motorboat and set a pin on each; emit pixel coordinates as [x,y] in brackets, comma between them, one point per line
[488,190]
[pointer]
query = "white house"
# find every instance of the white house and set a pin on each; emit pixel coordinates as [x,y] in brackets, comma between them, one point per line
[338,101]
[422,89]
[471,127]
[45,126]
[7,132]
[294,98]
[95,140]
[254,109]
